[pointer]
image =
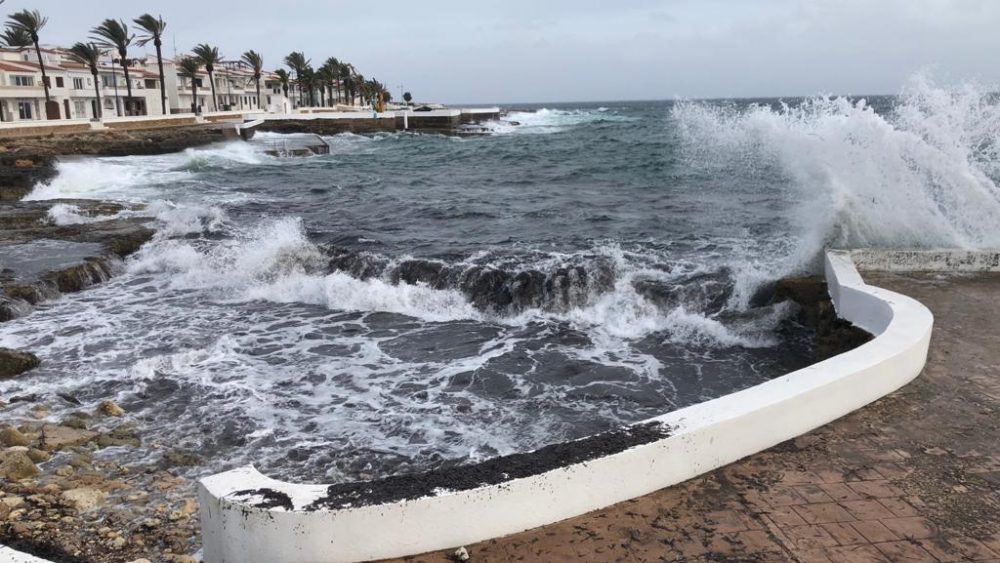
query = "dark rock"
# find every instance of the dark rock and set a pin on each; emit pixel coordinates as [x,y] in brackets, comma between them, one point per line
[15,362]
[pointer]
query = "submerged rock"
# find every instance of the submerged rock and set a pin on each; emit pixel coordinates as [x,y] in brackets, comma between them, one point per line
[84,498]
[59,437]
[16,465]
[109,408]
[16,362]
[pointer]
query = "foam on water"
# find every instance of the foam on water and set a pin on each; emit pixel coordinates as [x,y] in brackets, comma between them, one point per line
[232,333]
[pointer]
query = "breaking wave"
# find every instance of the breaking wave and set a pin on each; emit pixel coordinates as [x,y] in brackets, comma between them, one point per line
[923,174]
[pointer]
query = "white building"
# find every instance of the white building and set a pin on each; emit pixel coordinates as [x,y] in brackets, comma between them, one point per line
[71,87]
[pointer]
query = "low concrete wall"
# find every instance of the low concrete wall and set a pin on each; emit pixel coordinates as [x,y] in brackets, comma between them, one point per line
[248,517]
[28,129]
[142,124]
[876,260]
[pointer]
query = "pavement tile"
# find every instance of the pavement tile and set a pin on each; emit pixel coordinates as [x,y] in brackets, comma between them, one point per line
[874,531]
[856,554]
[840,491]
[875,489]
[915,527]
[900,551]
[899,507]
[957,549]
[813,493]
[845,534]
[810,537]
[867,509]
[823,513]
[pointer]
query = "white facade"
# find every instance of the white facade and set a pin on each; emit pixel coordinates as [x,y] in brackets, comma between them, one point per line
[22,97]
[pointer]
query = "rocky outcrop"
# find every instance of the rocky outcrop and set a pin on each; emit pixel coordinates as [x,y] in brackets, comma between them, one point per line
[112,143]
[16,362]
[833,335]
[98,246]
[20,173]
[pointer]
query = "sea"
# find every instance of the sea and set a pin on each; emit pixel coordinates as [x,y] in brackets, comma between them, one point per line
[411,301]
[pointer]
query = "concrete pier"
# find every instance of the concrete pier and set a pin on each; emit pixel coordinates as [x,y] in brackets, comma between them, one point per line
[442,121]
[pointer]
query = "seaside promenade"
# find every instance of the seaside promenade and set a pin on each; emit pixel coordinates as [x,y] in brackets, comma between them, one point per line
[912,477]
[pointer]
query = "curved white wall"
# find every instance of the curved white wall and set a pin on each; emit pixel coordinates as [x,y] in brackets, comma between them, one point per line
[703,437]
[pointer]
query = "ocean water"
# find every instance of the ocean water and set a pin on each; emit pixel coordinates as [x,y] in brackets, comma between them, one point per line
[412,300]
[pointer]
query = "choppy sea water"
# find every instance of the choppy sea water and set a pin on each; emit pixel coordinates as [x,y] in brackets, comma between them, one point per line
[415,300]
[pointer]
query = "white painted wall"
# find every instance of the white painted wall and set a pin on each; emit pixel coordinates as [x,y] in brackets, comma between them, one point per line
[705,436]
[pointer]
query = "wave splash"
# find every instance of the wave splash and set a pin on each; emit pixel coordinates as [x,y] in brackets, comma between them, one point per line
[924,174]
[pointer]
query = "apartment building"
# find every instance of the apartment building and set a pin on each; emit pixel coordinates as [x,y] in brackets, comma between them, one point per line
[72,91]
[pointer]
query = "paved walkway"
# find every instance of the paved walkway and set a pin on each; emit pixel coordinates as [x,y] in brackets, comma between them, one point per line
[913,477]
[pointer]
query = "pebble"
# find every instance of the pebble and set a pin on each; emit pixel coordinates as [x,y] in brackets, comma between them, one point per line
[461,554]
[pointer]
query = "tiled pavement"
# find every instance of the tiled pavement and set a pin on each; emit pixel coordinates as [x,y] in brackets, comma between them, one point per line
[913,477]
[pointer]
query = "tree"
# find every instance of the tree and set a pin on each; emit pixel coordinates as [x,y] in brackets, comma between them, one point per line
[153,28]
[89,54]
[282,75]
[309,81]
[30,23]
[407,97]
[298,62]
[114,35]
[256,62]
[209,57]
[189,67]
[15,38]
[333,67]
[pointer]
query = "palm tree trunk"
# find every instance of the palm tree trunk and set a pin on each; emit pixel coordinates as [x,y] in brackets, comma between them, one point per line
[97,95]
[163,77]
[41,66]
[258,93]
[215,100]
[194,96]
[128,83]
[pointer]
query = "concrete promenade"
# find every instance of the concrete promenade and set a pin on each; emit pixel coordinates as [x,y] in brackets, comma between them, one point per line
[912,477]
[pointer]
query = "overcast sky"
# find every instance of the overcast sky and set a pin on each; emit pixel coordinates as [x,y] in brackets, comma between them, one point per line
[579,50]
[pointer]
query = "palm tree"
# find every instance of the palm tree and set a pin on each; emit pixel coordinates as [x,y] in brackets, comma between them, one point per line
[114,34]
[30,23]
[333,67]
[282,75]
[188,67]
[345,79]
[15,37]
[256,62]
[89,54]
[298,62]
[209,56]
[153,28]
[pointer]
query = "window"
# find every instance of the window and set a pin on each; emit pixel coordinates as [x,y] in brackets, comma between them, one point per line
[150,83]
[198,82]
[78,84]
[24,109]
[269,100]
[23,81]
[79,107]
[59,82]
[107,81]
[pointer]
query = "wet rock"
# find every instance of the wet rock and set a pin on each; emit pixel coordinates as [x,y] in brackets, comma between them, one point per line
[12,437]
[123,435]
[109,408]
[84,499]
[58,437]
[16,465]
[16,362]
[74,422]
[180,458]
[38,456]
